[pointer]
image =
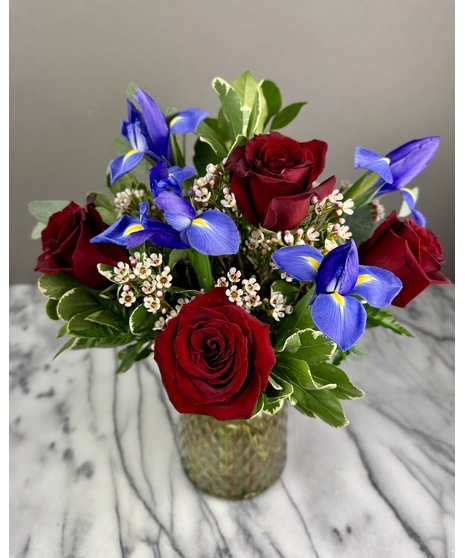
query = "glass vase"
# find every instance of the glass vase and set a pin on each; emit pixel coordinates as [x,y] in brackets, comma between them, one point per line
[234,459]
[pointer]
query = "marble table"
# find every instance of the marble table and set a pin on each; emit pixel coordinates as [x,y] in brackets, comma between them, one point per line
[95,473]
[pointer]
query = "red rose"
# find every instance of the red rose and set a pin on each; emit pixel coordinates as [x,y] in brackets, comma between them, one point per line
[66,246]
[214,358]
[411,252]
[272,179]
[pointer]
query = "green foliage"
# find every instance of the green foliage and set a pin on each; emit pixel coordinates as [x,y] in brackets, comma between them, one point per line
[202,268]
[378,317]
[42,210]
[360,224]
[248,106]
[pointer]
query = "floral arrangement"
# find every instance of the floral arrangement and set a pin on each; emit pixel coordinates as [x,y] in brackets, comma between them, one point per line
[245,275]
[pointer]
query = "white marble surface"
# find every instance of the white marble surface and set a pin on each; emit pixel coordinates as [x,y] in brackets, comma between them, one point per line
[94,469]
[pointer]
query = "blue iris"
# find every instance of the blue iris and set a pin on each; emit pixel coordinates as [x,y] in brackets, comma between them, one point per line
[149,133]
[169,179]
[339,280]
[399,167]
[212,233]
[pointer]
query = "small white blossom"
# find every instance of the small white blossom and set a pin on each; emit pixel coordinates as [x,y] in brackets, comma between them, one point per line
[122,271]
[164,279]
[286,277]
[347,206]
[330,244]
[251,300]
[160,324]
[222,282]
[234,275]
[149,286]
[250,285]
[152,304]
[229,200]
[277,300]
[157,259]
[235,295]
[335,196]
[142,269]
[127,298]
[288,309]
[344,232]
[312,234]
[278,313]
[201,195]
[288,238]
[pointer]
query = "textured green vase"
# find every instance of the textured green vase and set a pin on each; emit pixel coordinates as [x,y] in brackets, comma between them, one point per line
[234,459]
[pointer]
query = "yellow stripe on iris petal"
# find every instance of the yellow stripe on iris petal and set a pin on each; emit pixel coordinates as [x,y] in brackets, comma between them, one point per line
[339,299]
[129,153]
[175,119]
[409,191]
[133,228]
[388,161]
[312,262]
[199,222]
[364,279]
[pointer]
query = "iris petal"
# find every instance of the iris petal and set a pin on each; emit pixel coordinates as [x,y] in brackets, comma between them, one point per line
[342,319]
[410,159]
[154,123]
[177,211]
[299,262]
[213,233]
[159,234]
[125,163]
[377,286]
[339,270]
[187,120]
[410,201]
[366,159]
[117,232]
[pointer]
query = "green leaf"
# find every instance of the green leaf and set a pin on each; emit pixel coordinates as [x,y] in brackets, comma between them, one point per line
[342,355]
[378,317]
[259,405]
[68,345]
[299,320]
[37,231]
[141,320]
[362,185]
[106,317]
[286,116]
[259,114]
[203,155]
[272,97]
[207,134]
[51,309]
[79,326]
[322,404]
[105,207]
[43,209]
[327,373]
[246,88]
[288,290]
[314,347]
[298,372]
[128,357]
[202,268]
[231,106]
[74,302]
[107,271]
[56,285]
[360,224]
[175,256]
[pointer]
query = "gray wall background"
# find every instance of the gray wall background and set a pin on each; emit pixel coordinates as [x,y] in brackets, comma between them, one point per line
[374,73]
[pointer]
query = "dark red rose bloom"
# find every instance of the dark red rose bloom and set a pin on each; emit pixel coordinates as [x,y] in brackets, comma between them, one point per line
[272,179]
[410,251]
[214,358]
[66,246]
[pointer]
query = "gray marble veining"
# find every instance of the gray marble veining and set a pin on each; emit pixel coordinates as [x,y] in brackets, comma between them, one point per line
[95,473]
